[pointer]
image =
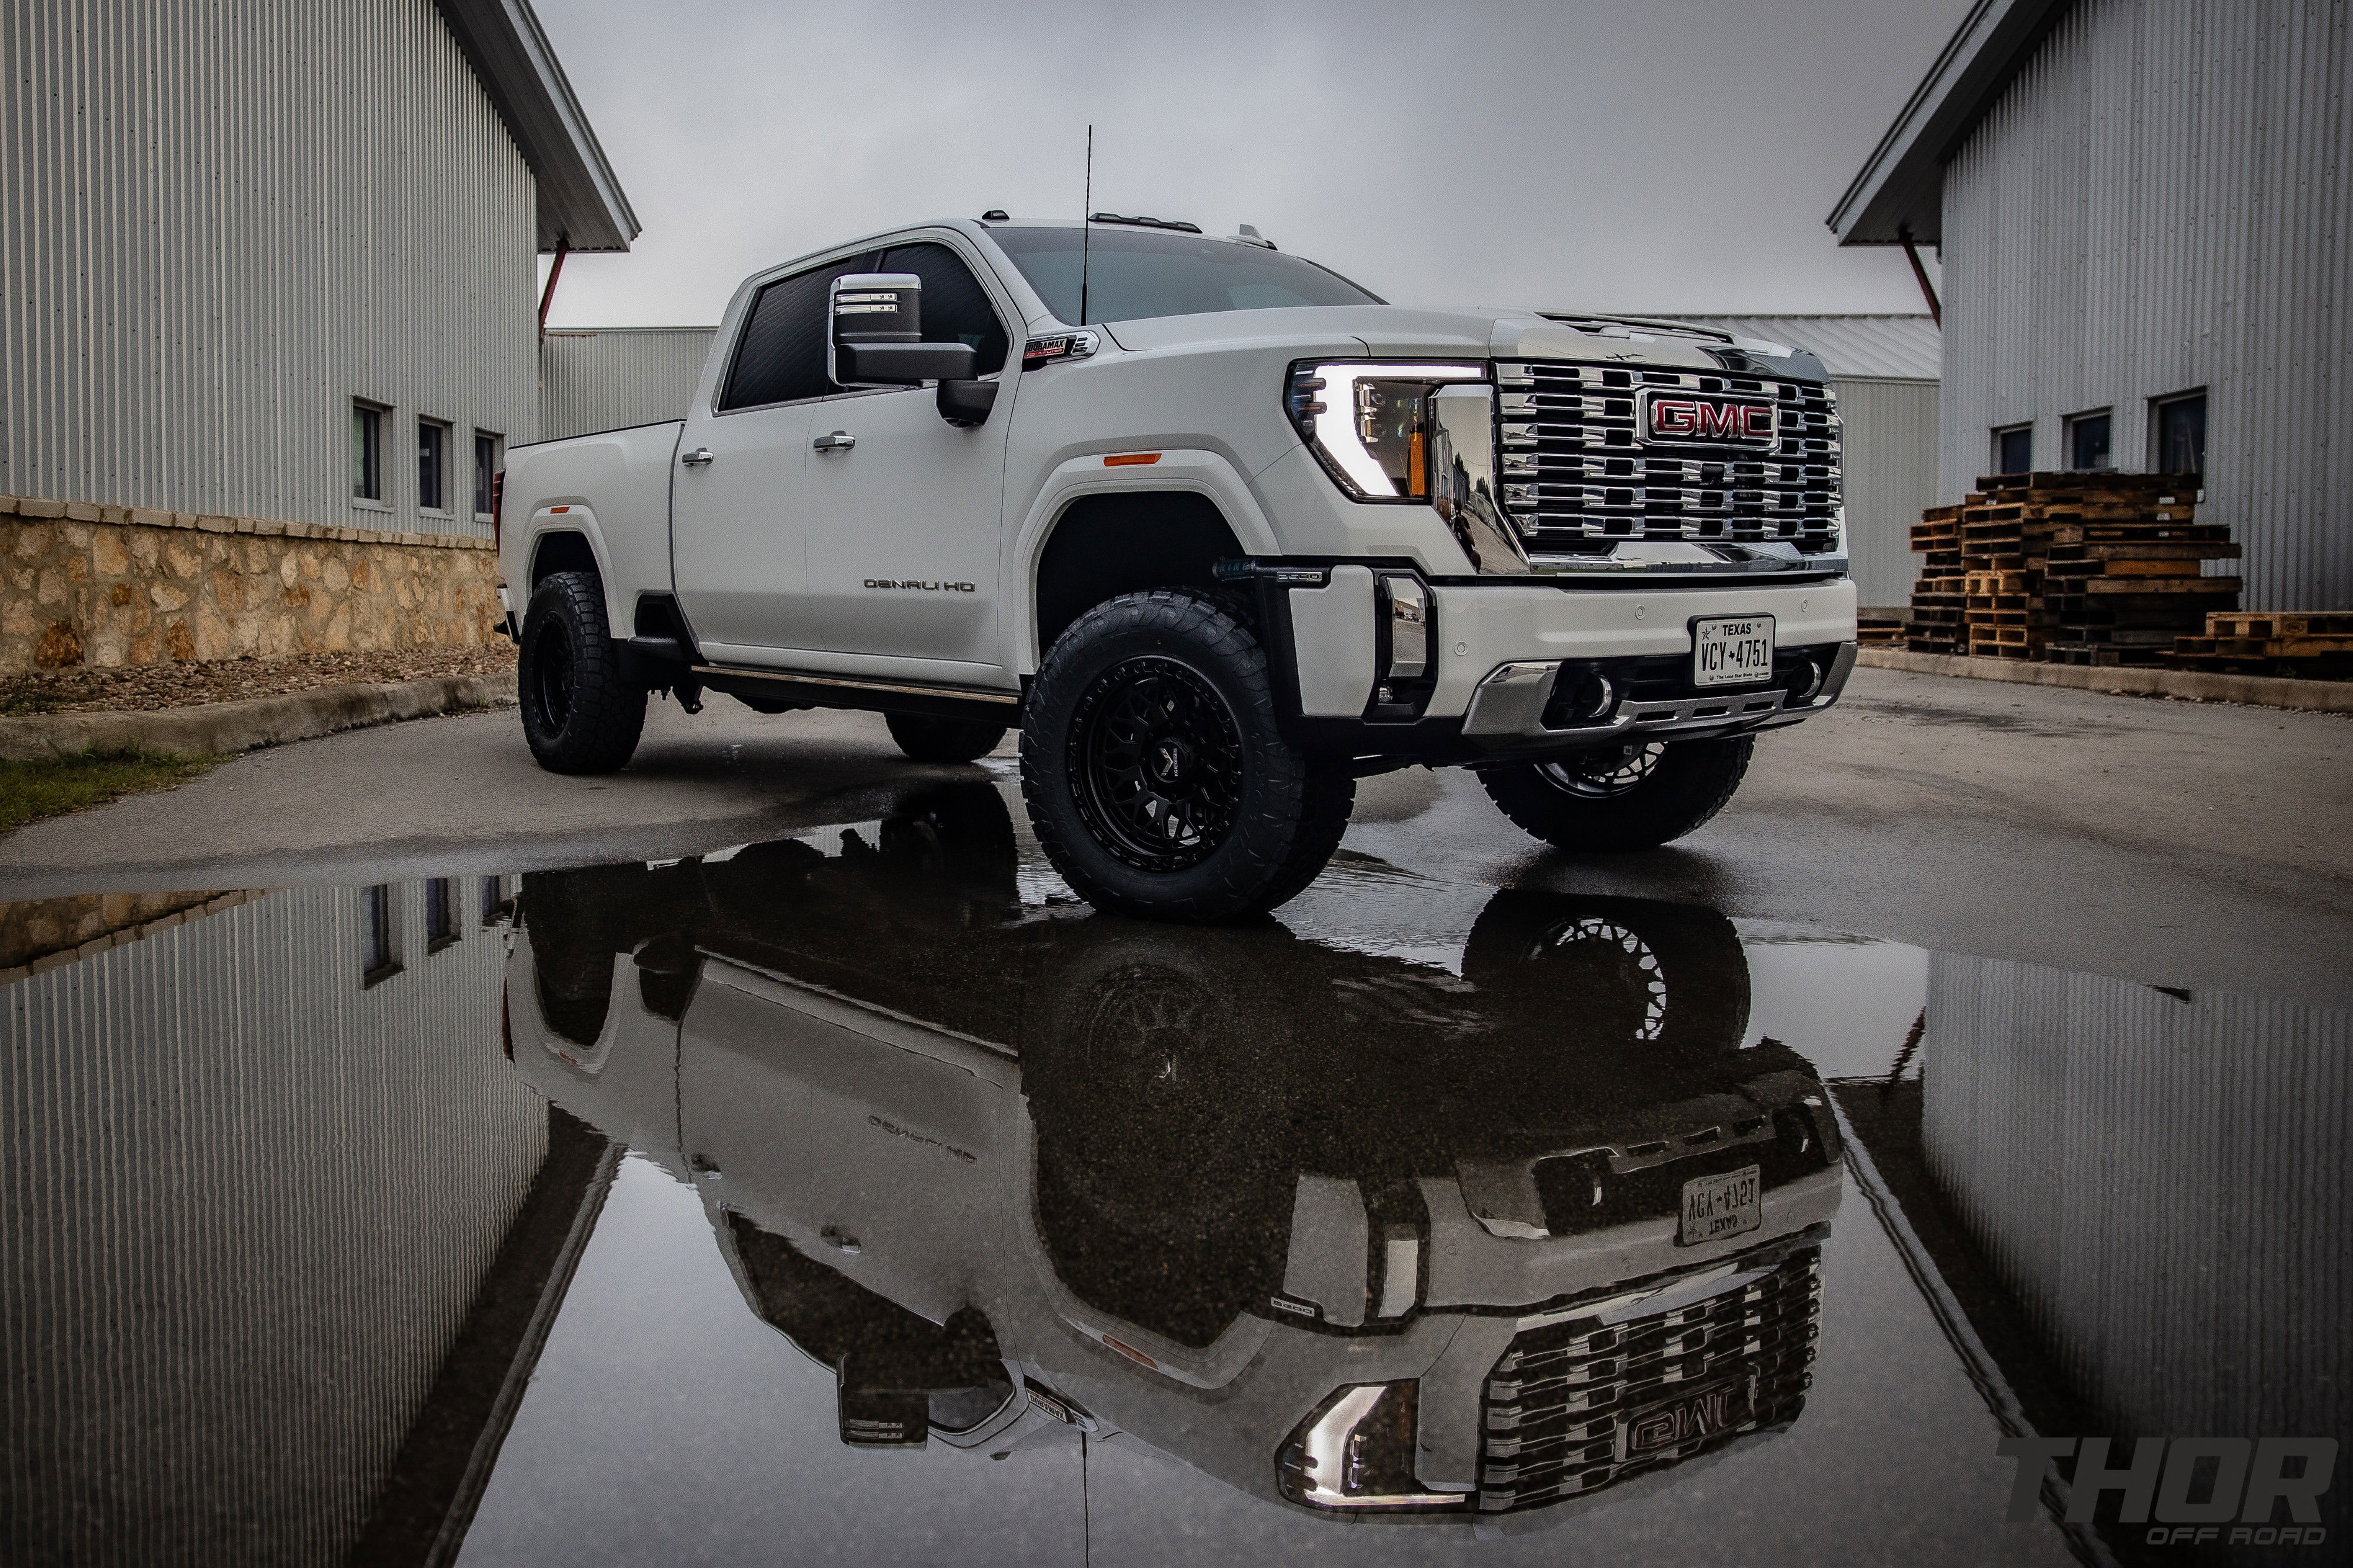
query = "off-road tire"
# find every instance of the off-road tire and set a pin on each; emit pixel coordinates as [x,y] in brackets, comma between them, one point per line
[928,739]
[1280,813]
[578,713]
[1691,784]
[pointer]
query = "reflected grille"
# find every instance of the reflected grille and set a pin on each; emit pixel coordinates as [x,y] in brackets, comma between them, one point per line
[1576,1406]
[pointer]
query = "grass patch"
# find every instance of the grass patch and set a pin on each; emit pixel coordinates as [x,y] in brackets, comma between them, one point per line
[50,786]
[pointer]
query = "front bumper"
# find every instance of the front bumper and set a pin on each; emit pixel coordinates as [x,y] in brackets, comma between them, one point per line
[1496,649]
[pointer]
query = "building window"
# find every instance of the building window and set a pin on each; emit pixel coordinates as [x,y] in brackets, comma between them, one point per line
[486,463]
[432,465]
[2088,441]
[442,922]
[379,935]
[367,452]
[2180,443]
[496,905]
[2013,449]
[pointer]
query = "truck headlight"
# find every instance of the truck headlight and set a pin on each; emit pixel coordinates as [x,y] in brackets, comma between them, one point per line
[1358,1452]
[1369,422]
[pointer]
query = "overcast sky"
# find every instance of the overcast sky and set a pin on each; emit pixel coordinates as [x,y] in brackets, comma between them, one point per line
[1634,155]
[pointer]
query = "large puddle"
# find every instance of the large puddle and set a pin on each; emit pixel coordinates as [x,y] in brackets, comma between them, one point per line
[858,1197]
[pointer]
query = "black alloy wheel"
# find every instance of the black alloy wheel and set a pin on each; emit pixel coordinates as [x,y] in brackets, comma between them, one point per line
[1155,772]
[1159,758]
[578,712]
[1635,798]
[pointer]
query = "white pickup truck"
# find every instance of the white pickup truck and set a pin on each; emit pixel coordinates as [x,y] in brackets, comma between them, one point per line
[1228,535]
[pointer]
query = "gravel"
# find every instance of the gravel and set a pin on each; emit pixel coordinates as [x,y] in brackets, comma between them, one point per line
[144,687]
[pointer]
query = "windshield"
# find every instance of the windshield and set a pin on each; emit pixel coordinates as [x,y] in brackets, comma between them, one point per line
[1133,274]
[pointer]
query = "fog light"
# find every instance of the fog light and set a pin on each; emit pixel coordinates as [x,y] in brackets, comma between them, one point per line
[1358,1452]
[1580,695]
[1805,679]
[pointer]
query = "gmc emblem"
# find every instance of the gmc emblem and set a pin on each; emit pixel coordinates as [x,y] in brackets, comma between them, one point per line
[1676,416]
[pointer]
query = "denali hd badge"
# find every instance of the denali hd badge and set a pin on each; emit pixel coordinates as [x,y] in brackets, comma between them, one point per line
[1678,417]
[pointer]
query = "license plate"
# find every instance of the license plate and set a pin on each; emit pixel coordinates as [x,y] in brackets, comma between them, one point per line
[1716,1207]
[1671,1423]
[1731,650]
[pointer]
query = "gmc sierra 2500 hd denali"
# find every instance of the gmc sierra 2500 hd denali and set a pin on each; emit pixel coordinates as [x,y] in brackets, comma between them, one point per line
[1228,535]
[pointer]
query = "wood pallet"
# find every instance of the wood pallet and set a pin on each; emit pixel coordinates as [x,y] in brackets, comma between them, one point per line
[2312,644]
[1878,631]
[2083,568]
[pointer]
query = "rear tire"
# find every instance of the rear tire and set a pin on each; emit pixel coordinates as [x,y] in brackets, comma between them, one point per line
[1590,806]
[950,741]
[578,713]
[1156,775]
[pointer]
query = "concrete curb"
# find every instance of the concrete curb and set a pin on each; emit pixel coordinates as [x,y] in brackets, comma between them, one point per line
[223,729]
[2190,685]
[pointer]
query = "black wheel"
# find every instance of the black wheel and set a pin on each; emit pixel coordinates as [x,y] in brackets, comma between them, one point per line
[1155,773]
[1599,976]
[578,714]
[943,739]
[1628,797]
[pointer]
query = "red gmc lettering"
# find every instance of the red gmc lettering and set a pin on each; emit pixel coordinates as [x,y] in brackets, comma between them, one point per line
[1700,418]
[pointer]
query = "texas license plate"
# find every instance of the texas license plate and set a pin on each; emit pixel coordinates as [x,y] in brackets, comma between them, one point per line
[1717,1207]
[1731,650]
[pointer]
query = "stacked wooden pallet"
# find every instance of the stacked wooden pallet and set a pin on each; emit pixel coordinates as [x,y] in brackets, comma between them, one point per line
[2314,645]
[1939,599]
[2080,568]
[1879,631]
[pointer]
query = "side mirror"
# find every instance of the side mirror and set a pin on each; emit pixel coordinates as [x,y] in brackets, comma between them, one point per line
[878,334]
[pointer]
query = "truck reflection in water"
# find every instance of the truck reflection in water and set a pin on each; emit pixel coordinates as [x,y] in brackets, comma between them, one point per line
[1351,1233]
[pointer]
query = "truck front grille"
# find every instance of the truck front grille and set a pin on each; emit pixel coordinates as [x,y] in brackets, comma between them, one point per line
[1576,475]
[1576,1406]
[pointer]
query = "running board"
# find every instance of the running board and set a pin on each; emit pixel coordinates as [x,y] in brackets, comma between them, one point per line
[842,691]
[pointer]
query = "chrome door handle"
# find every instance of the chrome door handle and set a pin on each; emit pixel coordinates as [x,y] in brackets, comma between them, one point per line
[840,441]
[696,458]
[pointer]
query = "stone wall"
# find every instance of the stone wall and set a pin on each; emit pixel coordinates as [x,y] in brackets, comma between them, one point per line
[104,586]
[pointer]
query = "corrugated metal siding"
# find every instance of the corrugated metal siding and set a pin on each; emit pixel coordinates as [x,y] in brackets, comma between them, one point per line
[221,221]
[1908,348]
[614,377]
[245,1203]
[2160,203]
[2163,1185]
[1890,463]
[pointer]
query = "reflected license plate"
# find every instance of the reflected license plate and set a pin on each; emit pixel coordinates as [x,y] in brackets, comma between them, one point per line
[1731,650]
[1717,1207]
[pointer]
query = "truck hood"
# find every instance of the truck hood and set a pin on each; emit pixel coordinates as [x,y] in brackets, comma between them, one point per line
[1467,332]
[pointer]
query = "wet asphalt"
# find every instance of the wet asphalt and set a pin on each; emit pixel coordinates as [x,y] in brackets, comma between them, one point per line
[759,1156]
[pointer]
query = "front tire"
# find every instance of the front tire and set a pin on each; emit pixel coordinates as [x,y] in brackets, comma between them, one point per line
[578,713]
[950,740]
[1156,777]
[1634,797]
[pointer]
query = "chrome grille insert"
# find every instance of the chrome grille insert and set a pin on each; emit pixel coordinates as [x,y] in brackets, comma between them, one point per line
[1553,1418]
[1579,470]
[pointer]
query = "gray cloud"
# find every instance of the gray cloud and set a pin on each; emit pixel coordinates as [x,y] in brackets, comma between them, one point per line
[1663,156]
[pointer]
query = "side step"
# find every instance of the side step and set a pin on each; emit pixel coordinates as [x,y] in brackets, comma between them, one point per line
[873,695]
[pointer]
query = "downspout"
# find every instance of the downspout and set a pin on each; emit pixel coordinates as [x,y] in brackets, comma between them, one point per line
[1911,253]
[564,248]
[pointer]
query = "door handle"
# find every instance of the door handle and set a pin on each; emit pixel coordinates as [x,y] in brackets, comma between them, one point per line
[696,458]
[840,441]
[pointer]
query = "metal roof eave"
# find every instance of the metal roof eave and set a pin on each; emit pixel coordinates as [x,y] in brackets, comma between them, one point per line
[1901,187]
[581,202]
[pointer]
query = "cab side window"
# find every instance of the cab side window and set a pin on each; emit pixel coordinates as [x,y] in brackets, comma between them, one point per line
[955,308]
[781,356]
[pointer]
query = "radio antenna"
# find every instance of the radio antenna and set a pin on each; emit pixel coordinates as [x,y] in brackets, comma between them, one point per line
[1086,226]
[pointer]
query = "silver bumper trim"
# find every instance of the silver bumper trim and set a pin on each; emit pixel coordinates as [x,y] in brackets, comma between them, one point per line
[1506,711]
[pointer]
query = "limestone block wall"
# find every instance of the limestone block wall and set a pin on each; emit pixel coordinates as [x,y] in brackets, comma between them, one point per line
[104,586]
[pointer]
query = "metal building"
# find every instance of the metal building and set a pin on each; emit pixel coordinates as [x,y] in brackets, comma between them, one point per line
[608,378]
[277,258]
[279,1231]
[2142,208]
[1883,370]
